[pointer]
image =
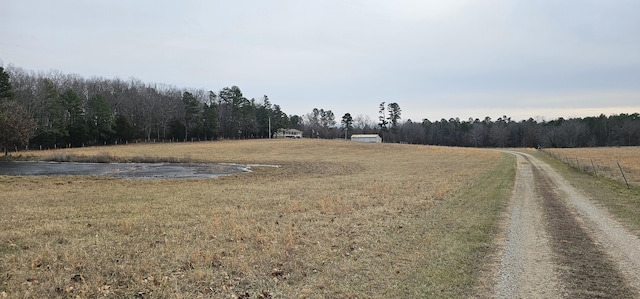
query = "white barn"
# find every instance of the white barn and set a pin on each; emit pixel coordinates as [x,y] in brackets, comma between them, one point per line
[373,138]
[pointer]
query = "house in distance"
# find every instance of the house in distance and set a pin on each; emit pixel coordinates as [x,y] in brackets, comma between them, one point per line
[373,138]
[288,133]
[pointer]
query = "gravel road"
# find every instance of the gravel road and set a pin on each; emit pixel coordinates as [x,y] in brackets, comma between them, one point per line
[558,244]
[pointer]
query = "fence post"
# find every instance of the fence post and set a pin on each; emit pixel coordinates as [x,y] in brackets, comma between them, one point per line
[623,176]
[578,163]
[595,171]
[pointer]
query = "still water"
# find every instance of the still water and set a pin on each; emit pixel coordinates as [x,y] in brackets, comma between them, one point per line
[120,170]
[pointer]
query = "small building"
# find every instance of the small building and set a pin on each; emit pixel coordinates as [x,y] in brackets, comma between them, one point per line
[288,133]
[373,138]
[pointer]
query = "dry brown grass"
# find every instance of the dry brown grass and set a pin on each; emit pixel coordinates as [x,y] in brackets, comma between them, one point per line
[604,159]
[336,220]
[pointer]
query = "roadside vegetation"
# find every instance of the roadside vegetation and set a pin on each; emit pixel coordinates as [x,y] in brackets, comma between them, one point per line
[608,189]
[604,161]
[336,219]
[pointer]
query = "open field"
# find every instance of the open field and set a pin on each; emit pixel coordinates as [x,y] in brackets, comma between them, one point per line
[604,159]
[337,219]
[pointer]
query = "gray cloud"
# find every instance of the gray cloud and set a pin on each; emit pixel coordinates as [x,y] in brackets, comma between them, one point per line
[432,57]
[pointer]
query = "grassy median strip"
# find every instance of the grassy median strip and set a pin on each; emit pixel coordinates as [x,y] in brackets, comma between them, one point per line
[462,229]
[336,220]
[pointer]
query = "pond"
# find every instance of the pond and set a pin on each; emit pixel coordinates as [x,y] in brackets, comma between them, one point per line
[120,170]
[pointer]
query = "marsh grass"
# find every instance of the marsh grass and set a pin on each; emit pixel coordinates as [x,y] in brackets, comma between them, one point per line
[107,157]
[335,220]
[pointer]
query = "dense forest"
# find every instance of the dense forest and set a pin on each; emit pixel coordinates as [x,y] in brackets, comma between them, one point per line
[53,109]
[69,110]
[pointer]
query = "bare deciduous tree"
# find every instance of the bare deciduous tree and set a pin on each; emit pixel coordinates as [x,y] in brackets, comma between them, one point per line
[16,126]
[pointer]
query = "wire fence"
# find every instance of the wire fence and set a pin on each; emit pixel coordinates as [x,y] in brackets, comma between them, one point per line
[613,170]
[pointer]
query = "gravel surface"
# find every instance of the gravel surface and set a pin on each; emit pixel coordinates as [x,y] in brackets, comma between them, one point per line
[620,244]
[526,259]
[558,244]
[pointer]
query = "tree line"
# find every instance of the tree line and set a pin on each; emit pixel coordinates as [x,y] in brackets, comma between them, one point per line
[50,110]
[614,130]
[69,110]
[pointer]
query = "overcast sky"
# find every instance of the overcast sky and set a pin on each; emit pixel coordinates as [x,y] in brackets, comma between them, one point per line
[436,59]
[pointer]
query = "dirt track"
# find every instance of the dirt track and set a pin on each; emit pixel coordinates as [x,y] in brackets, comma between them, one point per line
[558,244]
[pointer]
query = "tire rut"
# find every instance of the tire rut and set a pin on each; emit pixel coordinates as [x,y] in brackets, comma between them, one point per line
[526,261]
[584,267]
[552,247]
